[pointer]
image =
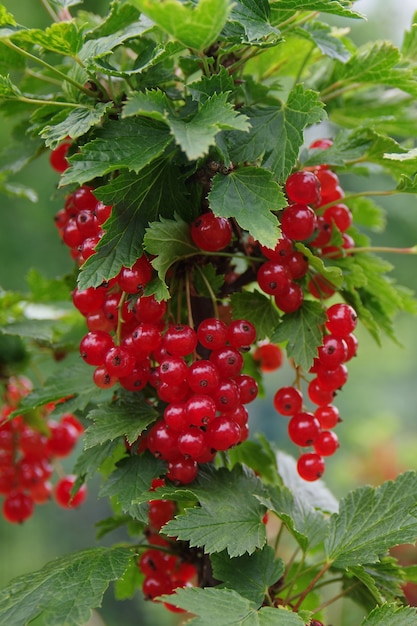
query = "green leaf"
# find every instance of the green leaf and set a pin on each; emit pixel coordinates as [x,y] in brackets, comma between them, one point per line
[391,615]
[8,89]
[332,274]
[367,213]
[249,194]
[276,133]
[326,39]
[302,333]
[195,26]
[249,575]
[61,37]
[95,49]
[307,524]
[259,457]
[120,16]
[150,103]
[383,581]
[206,281]
[225,607]
[128,143]
[91,460]
[75,124]
[207,86]
[372,520]
[126,586]
[70,381]
[197,135]
[40,330]
[407,184]
[249,23]
[65,590]
[230,516]
[334,7]
[127,417]
[170,241]
[138,200]
[131,481]
[258,309]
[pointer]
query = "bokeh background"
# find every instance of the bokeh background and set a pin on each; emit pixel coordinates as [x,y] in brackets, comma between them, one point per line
[378,434]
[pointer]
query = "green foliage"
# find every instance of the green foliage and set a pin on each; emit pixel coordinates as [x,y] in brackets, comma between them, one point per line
[173,109]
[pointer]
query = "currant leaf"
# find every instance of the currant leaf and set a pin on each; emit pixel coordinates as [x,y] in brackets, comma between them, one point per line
[249,575]
[235,195]
[301,332]
[116,146]
[127,417]
[46,594]
[75,123]
[258,309]
[372,520]
[230,516]
[194,26]
[391,615]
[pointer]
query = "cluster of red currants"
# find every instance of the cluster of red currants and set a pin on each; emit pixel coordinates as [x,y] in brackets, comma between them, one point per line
[80,222]
[164,570]
[307,428]
[28,456]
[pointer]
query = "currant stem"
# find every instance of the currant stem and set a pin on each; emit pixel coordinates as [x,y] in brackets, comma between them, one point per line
[50,10]
[52,69]
[311,585]
[120,318]
[211,292]
[337,597]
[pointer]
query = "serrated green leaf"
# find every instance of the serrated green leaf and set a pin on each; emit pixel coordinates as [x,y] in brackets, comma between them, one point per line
[326,39]
[75,124]
[137,200]
[391,615]
[130,483]
[207,86]
[334,7]
[65,590]
[372,520]
[120,16]
[225,607]
[257,456]
[150,103]
[197,135]
[61,37]
[206,281]
[128,143]
[307,524]
[249,23]
[170,241]
[367,213]
[332,274]
[127,417]
[383,581]
[69,381]
[230,516]
[6,17]
[258,309]
[127,585]
[276,133]
[302,333]
[249,194]
[407,184]
[95,49]
[249,575]
[90,461]
[195,26]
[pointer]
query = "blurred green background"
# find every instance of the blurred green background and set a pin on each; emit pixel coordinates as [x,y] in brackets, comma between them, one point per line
[378,434]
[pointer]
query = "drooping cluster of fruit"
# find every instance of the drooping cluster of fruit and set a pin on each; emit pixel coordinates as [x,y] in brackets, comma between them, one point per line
[164,569]
[197,372]
[28,456]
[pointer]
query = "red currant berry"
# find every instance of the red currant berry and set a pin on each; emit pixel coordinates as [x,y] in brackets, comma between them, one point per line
[281,252]
[328,416]
[203,376]
[341,319]
[310,466]
[119,362]
[241,333]
[17,507]
[274,278]
[292,300]
[288,401]
[182,471]
[332,352]
[212,333]
[148,309]
[192,442]
[63,493]
[200,410]
[180,340]
[326,443]
[228,361]
[303,428]
[298,222]
[134,279]
[270,357]
[339,215]
[222,433]
[303,187]
[58,157]
[210,232]
[94,346]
